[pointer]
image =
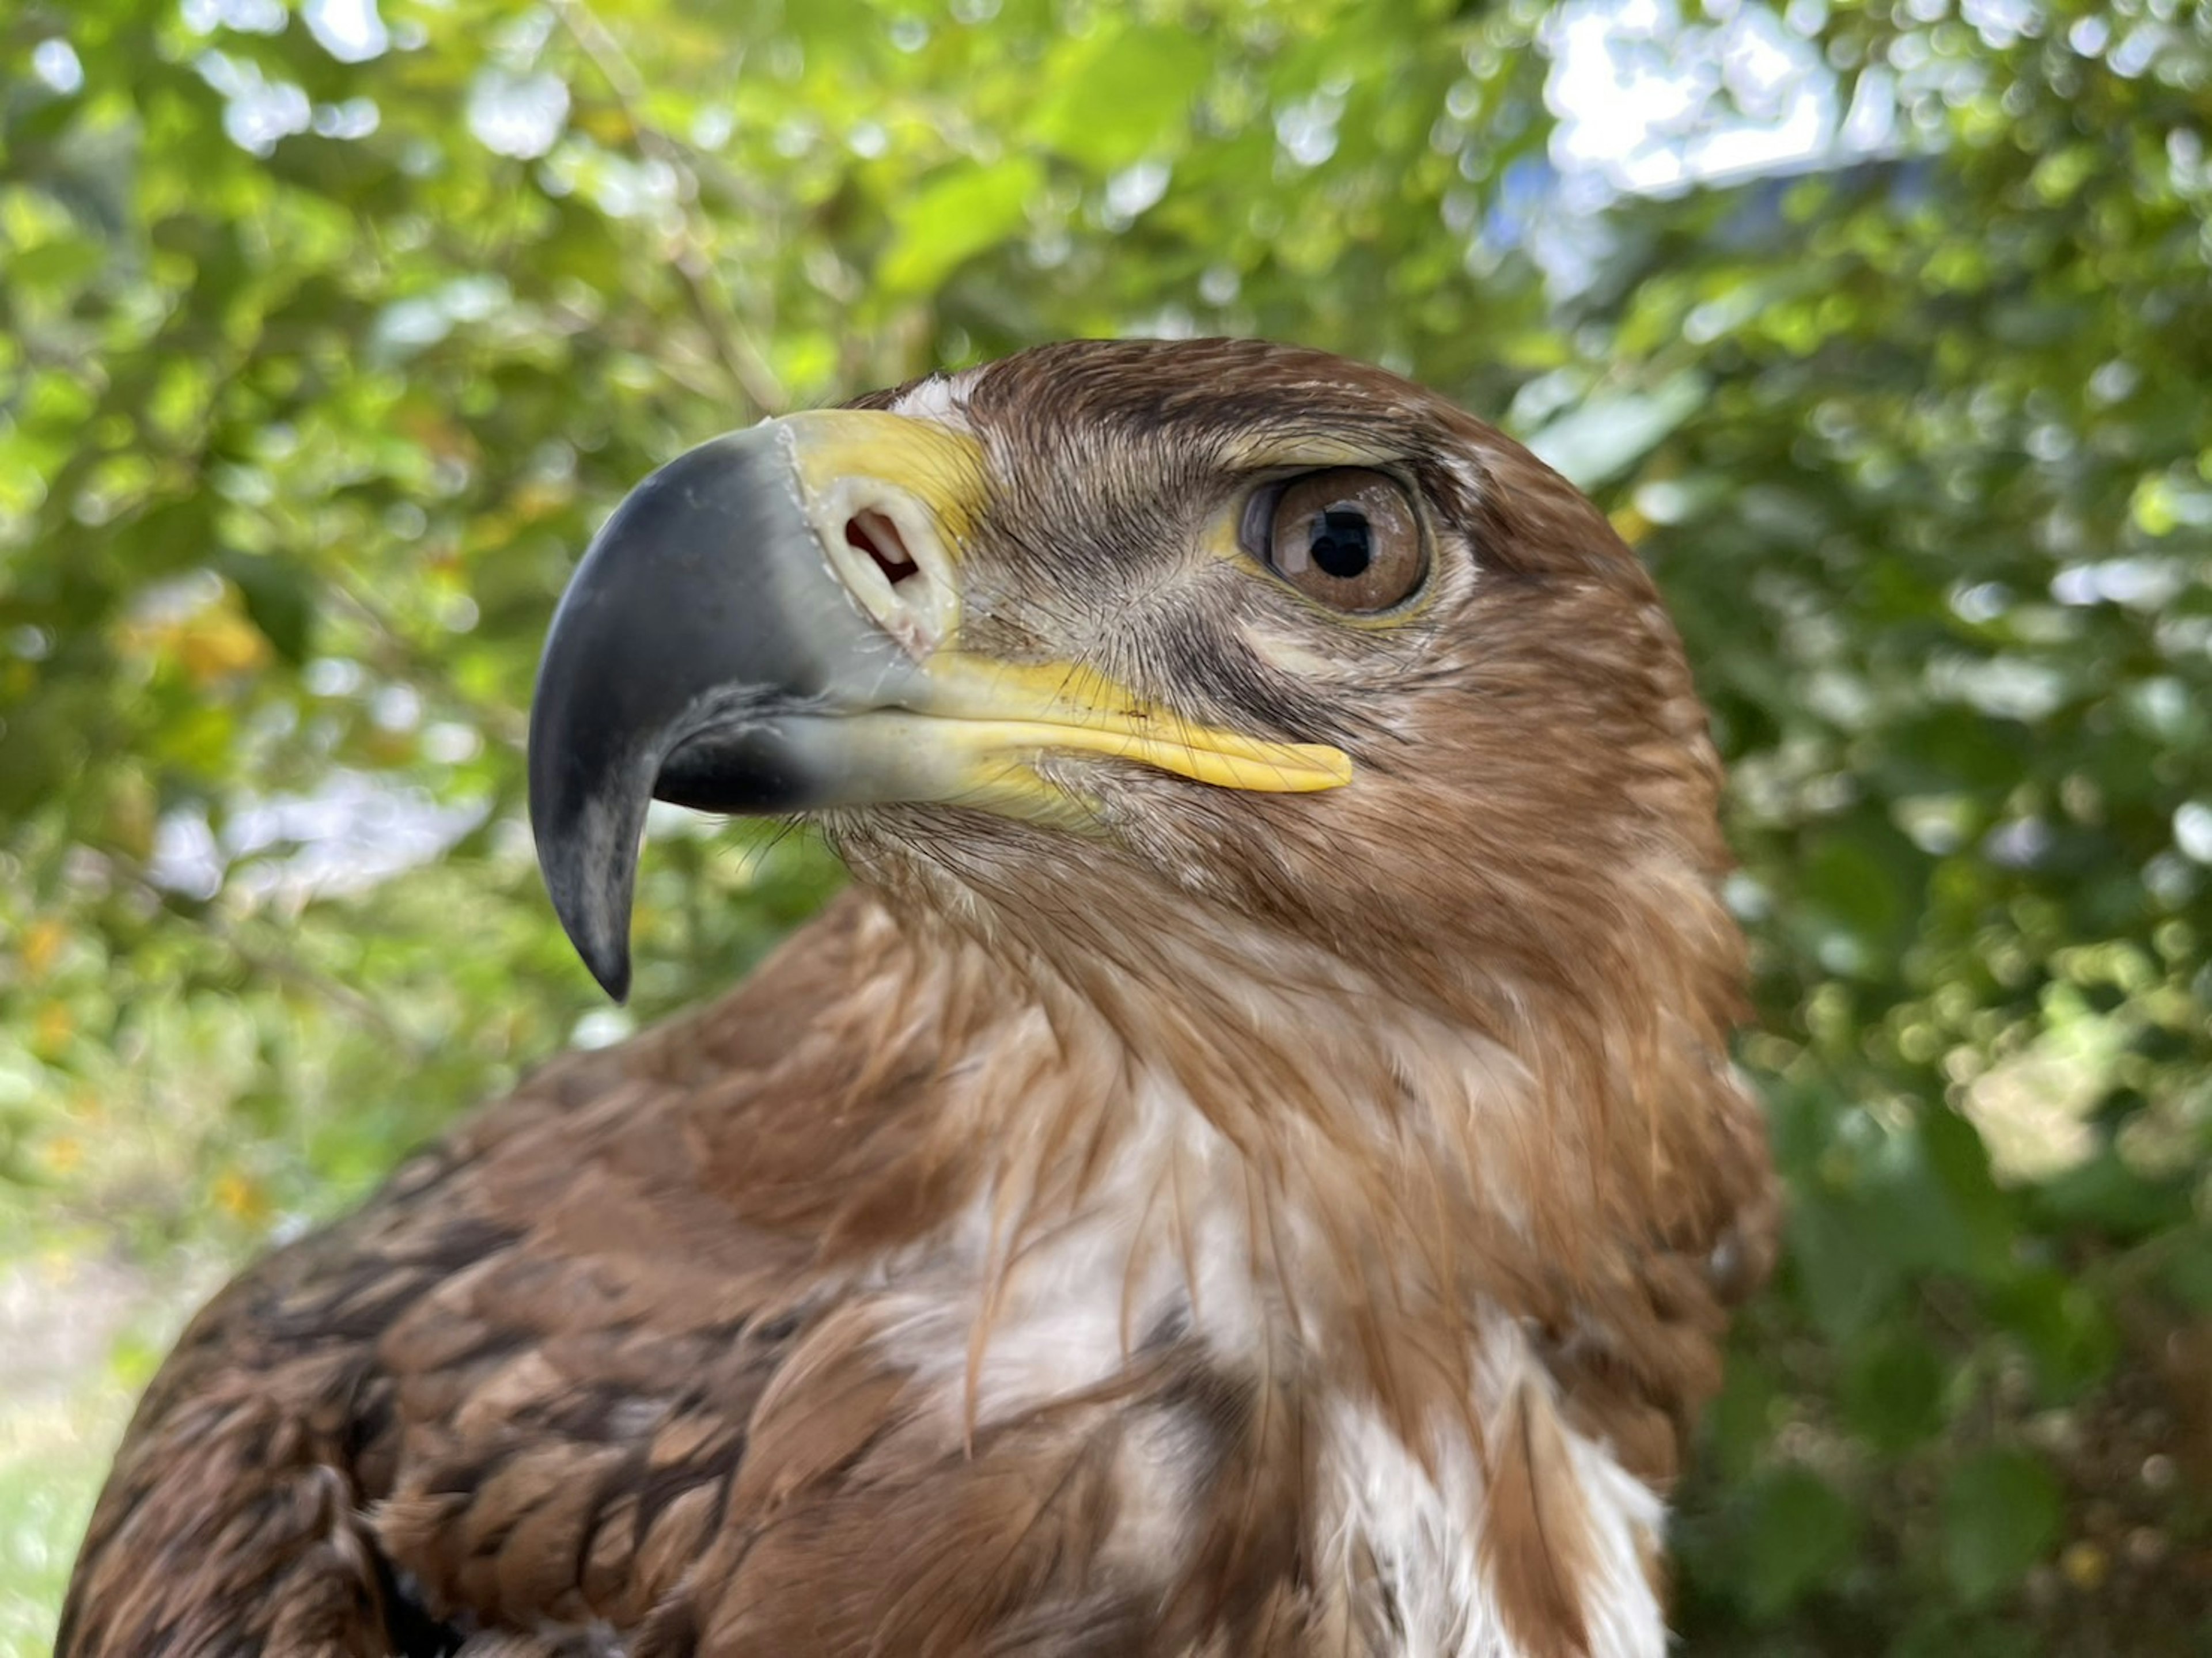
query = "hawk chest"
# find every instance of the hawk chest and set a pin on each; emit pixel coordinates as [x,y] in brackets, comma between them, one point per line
[1418,1547]
[1239,1447]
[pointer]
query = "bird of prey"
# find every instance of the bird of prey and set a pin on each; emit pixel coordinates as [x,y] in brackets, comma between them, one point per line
[1251,1165]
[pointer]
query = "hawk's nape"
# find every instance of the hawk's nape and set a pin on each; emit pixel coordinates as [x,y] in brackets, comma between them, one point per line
[1250,1167]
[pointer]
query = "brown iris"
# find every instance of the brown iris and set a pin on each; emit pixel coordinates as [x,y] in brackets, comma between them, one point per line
[1346,536]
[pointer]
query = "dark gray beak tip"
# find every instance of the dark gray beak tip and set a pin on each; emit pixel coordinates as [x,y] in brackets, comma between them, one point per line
[587,841]
[611,969]
[606,956]
[594,905]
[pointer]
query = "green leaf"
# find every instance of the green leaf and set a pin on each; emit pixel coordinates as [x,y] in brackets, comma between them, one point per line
[2187,1273]
[959,214]
[1801,1533]
[2067,1331]
[1893,1391]
[280,600]
[1603,436]
[1978,1220]
[1846,1280]
[1739,1425]
[1121,94]
[2002,1513]
[2106,1193]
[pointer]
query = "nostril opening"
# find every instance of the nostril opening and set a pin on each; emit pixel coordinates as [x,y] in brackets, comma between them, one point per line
[875,534]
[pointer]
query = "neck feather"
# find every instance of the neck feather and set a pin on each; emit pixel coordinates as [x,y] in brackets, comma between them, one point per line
[1389,1170]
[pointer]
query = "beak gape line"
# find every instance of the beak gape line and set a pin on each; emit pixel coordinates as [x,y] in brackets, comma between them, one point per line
[768,624]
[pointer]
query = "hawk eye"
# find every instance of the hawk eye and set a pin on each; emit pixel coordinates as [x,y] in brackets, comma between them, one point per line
[1348,538]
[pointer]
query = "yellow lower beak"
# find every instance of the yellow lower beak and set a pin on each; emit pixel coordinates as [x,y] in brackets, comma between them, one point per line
[1003,718]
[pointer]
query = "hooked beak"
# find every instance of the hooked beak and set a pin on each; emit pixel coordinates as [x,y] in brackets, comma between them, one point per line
[768,624]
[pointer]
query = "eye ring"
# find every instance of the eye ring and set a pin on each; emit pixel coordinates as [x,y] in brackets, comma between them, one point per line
[1346,536]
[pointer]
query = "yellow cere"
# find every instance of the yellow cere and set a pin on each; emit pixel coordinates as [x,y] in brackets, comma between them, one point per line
[940,468]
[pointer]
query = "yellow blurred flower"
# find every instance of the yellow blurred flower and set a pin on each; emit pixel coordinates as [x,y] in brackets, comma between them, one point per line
[240,1196]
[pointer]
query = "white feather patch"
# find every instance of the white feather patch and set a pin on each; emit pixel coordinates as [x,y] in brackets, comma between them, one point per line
[942,398]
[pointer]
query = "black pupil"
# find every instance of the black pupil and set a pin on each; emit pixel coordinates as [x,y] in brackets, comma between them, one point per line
[1342,544]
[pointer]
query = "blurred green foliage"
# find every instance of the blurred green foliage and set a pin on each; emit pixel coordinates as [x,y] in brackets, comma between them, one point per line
[327,332]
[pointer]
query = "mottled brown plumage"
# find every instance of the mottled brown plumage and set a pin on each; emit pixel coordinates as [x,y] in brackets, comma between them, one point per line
[1209,1222]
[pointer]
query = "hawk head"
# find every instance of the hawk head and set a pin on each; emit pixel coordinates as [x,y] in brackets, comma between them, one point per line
[1329,747]
[1197,632]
